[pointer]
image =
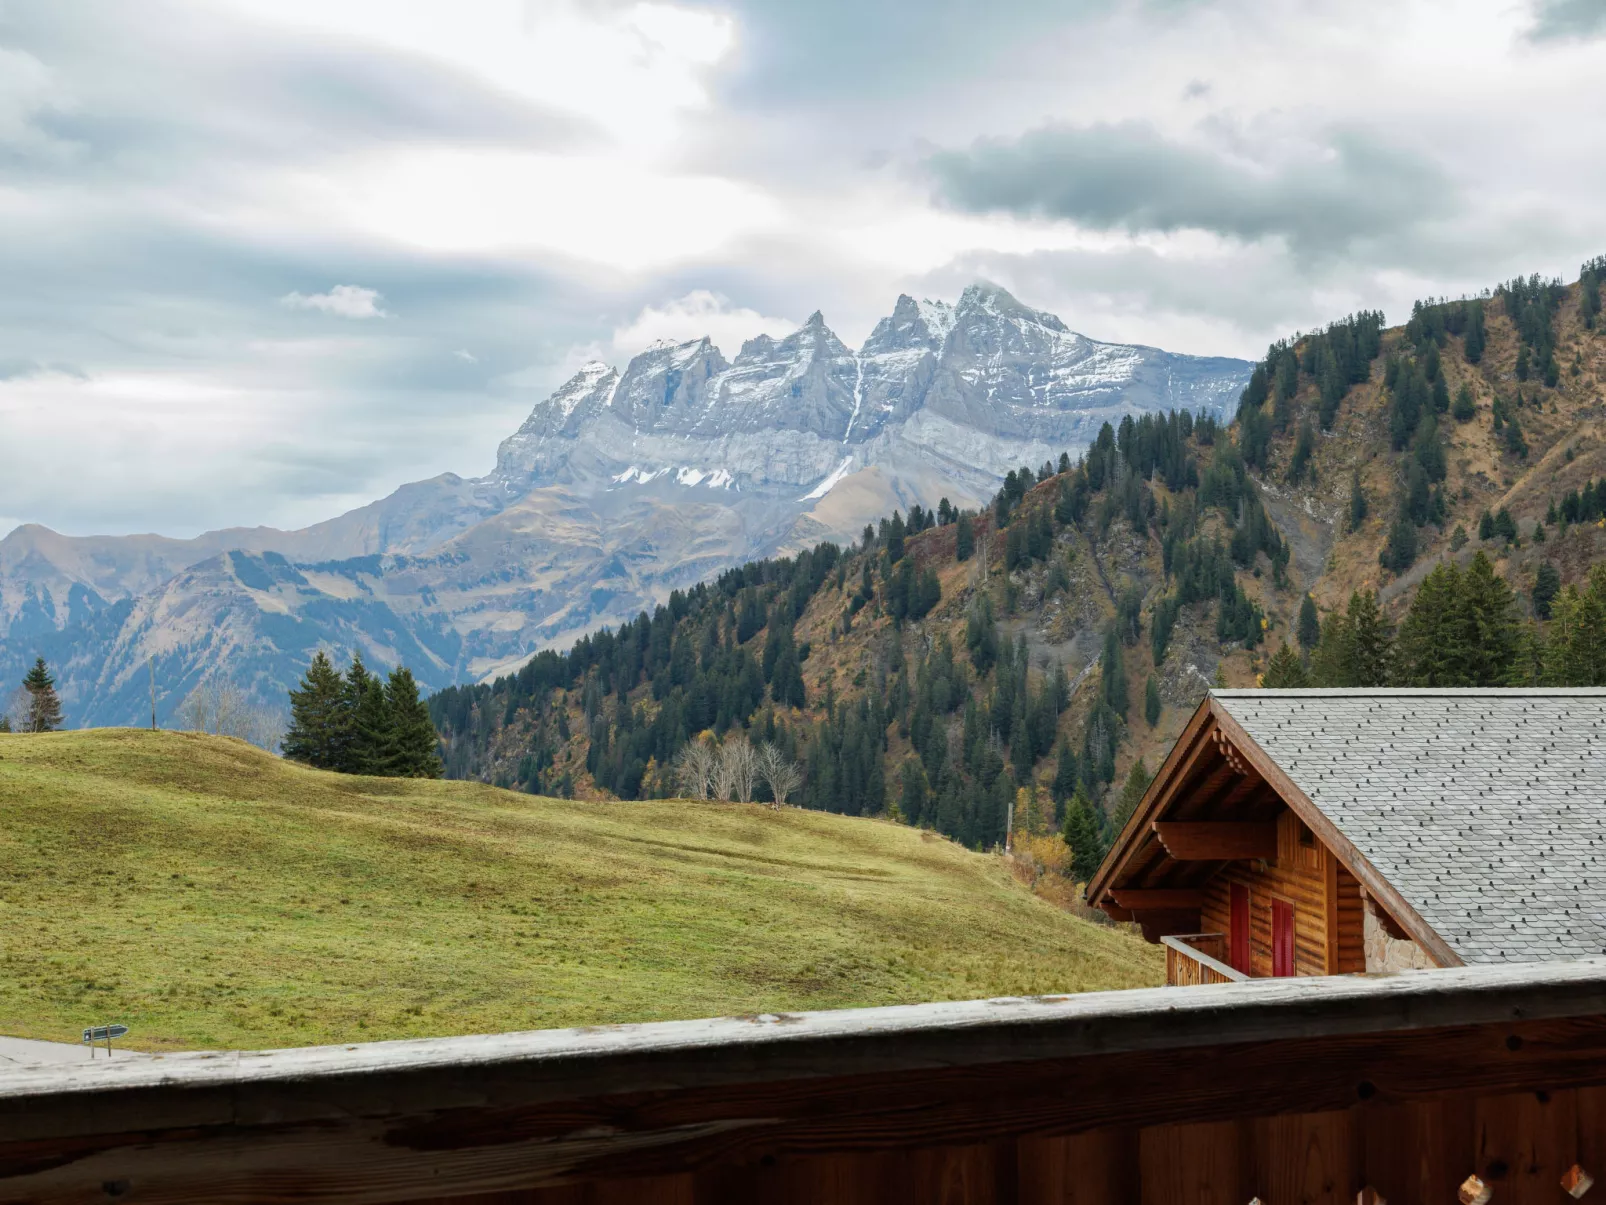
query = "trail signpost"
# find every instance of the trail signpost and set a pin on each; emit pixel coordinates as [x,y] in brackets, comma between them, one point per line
[103,1033]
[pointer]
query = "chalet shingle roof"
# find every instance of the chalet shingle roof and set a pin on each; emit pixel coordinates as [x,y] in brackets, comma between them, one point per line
[1486,809]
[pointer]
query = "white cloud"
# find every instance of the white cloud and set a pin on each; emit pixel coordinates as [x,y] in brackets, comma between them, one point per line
[468,200]
[348,301]
[698,313]
[634,69]
[466,356]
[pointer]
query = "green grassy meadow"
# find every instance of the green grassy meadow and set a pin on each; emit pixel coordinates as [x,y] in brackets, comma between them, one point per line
[211,896]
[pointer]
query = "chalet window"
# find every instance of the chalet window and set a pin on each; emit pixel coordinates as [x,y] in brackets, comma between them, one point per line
[1282,938]
[1239,932]
[1306,837]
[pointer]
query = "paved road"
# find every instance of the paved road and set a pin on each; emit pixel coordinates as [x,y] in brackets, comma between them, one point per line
[19,1052]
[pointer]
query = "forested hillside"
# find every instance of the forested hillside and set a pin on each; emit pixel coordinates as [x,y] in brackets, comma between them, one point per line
[1416,505]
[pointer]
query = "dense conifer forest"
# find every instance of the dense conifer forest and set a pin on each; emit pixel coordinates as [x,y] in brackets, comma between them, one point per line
[1416,506]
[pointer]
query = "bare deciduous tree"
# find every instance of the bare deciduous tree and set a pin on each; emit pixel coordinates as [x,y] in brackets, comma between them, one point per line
[16,710]
[695,768]
[781,773]
[223,708]
[737,773]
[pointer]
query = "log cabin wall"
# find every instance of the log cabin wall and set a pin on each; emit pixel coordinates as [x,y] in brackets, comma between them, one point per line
[1325,897]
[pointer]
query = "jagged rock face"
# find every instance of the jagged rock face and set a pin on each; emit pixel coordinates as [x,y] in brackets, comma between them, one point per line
[618,488]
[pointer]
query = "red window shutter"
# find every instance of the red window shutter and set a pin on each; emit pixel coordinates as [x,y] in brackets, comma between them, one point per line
[1240,928]
[1282,938]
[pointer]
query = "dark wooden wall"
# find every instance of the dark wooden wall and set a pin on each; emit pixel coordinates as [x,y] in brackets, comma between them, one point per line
[1521,1144]
[1329,929]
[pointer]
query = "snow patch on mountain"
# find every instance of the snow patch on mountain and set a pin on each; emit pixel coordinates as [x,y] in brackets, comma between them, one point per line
[829,483]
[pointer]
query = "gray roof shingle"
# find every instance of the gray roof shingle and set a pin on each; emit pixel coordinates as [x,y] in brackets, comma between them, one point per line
[1486,809]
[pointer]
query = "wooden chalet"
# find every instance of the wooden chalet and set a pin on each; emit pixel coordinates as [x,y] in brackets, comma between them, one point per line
[1324,832]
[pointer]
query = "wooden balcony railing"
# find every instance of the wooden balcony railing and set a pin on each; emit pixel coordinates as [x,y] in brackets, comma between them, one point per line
[1195,958]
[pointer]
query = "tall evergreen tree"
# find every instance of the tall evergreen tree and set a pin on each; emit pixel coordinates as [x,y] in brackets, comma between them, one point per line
[1082,834]
[1310,625]
[1357,501]
[44,708]
[1432,646]
[1137,782]
[1113,672]
[1151,701]
[368,718]
[1547,584]
[1373,638]
[965,538]
[1285,671]
[320,724]
[412,746]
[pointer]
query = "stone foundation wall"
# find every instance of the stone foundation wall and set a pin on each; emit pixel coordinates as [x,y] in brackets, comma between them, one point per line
[1387,953]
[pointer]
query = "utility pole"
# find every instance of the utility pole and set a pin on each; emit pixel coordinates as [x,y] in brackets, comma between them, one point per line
[151,663]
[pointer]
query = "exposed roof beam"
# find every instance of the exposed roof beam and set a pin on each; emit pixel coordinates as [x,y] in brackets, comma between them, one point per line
[1217,840]
[1193,747]
[1157,899]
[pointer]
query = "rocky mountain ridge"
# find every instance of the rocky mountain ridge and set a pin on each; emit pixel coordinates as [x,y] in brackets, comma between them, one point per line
[618,488]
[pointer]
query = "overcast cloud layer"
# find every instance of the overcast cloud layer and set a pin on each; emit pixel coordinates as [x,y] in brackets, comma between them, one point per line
[267,259]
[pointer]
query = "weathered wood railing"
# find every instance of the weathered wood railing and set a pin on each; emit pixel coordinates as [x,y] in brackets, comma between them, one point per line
[1195,958]
[1304,1089]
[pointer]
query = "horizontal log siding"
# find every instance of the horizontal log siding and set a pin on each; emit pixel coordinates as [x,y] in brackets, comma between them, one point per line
[1351,925]
[1298,875]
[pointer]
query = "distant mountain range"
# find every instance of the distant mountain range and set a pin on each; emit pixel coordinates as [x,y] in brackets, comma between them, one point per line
[617,489]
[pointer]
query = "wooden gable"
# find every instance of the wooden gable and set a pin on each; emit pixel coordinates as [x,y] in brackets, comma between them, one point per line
[1220,815]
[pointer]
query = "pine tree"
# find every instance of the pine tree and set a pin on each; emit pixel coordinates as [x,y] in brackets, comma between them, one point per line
[44,708]
[965,538]
[1137,782]
[1310,626]
[412,746]
[1504,526]
[1112,670]
[1464,409]
[1285,671]
[1490,609]
[1151,701]
[319,722]
[368,717]
[1065,774]
[1547,583]
[1399,553]
[1431,650]
[1357,501]
[1081,833]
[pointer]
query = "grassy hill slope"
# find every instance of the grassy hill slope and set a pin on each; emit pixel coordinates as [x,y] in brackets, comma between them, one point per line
[210,895]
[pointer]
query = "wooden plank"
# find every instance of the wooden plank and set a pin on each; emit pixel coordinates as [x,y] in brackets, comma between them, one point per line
[1327,833]
[1099,1167]
[1199,1164]
[1590,1106]
[1524,1143]
[1420,1150]
[1216,840]
[1158,899]
[1330,911]
[1307,1157]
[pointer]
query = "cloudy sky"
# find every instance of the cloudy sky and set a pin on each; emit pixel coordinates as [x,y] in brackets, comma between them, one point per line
[264,260]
